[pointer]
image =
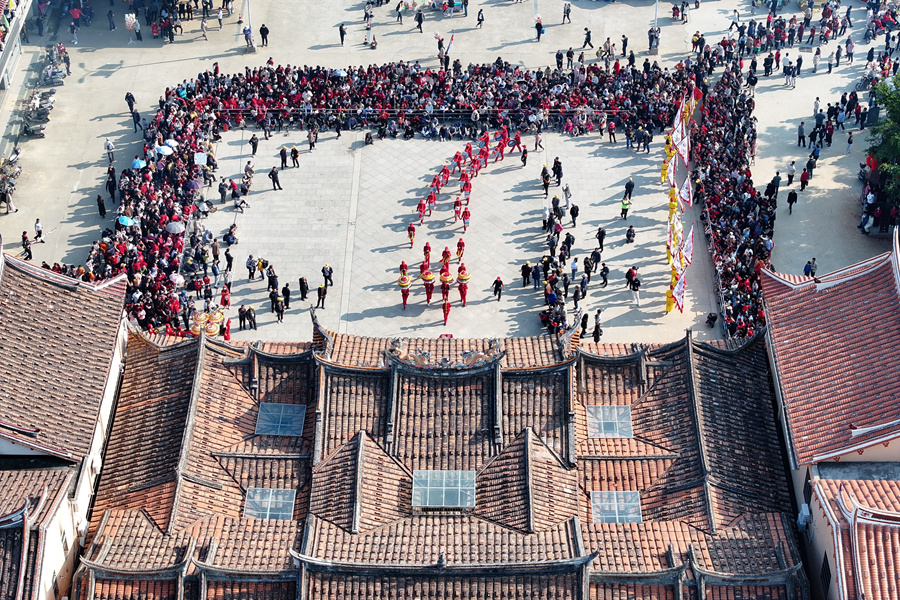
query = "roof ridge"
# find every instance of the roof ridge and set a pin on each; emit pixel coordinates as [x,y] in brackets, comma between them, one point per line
[696,414]
[188,433]
[63,280]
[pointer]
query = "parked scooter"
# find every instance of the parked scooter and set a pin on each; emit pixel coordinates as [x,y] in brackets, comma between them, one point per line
[35,131]
[36,119]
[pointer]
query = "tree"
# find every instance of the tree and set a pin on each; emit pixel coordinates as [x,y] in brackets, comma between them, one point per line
[884,138]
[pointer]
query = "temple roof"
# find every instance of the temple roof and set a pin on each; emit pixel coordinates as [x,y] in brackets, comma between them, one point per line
[701,459]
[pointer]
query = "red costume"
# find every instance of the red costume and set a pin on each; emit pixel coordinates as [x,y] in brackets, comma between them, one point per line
[421,208]
[403,267]
[445,255]
[457,162]
[445,292]
[460,249]
[445,174]
[463,292]
[226,297]
[405,294]
[466,216]
[446,311]
[411,233]
[457,209]
[427,253]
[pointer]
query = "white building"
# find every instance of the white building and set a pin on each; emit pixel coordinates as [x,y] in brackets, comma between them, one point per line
[833,346]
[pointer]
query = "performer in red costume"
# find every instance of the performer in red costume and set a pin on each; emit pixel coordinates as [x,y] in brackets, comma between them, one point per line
[428,278]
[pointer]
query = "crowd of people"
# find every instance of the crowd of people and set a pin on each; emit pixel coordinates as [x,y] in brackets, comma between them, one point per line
[161,187]
[739,220]
[614,94]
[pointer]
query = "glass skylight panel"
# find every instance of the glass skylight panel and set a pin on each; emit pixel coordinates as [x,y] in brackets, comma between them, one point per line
[616,507]
[443,489]
[280,419]
[609,421]
[270,503]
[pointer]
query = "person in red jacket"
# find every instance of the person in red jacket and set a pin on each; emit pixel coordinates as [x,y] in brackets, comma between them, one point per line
[446,311]
[460,249]
[411,234]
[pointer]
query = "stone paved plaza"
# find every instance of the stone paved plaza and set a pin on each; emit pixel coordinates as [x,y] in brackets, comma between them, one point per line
[348,205]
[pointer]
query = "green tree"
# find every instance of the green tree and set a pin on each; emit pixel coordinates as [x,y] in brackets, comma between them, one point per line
[884,138]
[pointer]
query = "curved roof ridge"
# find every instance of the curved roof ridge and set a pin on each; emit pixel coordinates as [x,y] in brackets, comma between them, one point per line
[857,510]
[443,568]
[64,280]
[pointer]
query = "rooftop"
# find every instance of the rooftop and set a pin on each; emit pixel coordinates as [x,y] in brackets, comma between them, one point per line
[866,515]
[29,499]
[190,487]
[59,336]
[843,398]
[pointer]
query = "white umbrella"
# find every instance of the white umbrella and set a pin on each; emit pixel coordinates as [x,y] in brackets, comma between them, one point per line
[175,227]
[176,278]
[164,150]
[171,143]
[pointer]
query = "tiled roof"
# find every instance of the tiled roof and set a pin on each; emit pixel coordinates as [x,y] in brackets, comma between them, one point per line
[539,400]
[867,512]
[750,547]
[521,353]
[28,499]
[325,586]
[444,423]
[741,449]
[60,335]
[360,488]
[831,397]
[352,403]
[522,430]
[527,487]
[144,450]
[183,453]
[107,589]
[630,591]
[425,539]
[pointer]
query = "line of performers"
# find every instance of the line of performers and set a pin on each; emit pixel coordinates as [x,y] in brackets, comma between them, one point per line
[444,276]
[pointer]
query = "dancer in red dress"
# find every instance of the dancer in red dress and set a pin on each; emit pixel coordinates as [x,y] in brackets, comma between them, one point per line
[411,234]
[445,255]
[446,311]
[426,251]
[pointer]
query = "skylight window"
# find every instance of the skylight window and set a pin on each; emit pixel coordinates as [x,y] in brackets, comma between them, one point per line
[616,507]
[268,503]
[443,489]
[609,422]
[280,419]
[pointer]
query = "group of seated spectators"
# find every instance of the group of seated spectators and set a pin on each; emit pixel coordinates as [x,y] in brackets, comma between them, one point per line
[739,221]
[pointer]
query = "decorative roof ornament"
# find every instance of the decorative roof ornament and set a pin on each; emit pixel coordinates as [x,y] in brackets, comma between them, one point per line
[422,359]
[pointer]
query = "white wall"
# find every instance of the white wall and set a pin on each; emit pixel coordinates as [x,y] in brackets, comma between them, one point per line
[55,559]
